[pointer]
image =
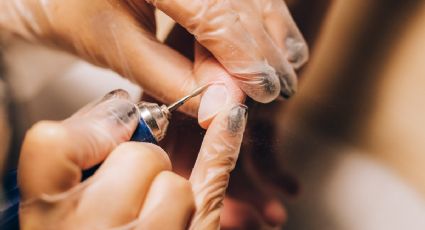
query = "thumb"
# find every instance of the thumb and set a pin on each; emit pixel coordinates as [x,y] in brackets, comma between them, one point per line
[54,153]
[217,158]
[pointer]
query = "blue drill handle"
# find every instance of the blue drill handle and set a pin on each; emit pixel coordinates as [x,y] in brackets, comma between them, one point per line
[143,133]
[9,208]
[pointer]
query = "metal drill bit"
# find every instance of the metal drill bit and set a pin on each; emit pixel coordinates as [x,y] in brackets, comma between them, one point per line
[180,102]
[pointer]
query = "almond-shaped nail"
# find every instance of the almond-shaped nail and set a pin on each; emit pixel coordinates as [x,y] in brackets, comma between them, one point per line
[237,118]
[287,90]
[297,51]
[213,100]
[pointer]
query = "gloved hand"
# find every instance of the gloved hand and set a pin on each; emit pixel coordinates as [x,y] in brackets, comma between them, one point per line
[133,188]
[259,182]
[255,40]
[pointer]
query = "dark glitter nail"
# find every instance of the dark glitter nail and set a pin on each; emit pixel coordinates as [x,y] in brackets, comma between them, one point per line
[269,87]
[296,51]
[286,91]
[237,118]
[126,112]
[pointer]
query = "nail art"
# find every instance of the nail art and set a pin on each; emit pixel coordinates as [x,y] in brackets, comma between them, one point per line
[125,112]
[237,118]
[297,51]
[268,85]
[286,90]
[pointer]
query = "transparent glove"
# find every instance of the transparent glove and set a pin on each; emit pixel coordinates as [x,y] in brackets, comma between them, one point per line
[255,40]
[133,188]
[258,183]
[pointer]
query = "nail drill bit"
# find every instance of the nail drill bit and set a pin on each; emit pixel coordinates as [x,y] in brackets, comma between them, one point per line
[154,119]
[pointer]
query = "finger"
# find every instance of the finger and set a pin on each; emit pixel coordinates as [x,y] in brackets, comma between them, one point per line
[216,159]
[253,22]
[119,187]
[138,56]
[217,96]
[218,28]
[54,153]
[169,203]
[207,69]
[282,28]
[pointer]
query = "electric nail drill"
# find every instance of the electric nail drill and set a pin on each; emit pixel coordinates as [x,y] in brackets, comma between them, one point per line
[152,127]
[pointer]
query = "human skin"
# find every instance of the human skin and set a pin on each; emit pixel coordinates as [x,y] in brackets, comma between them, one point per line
[134,187]
[256,41]
[186,75]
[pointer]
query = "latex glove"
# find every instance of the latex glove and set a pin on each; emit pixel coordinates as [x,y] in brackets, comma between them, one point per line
[257,185]
[133,188]
[255,40]
[254,195]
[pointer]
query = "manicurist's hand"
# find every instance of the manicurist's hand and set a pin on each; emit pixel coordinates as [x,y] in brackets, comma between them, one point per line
[255,41]
[134,188]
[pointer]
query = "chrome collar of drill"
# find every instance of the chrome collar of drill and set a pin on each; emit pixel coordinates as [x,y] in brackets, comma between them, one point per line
[154,119]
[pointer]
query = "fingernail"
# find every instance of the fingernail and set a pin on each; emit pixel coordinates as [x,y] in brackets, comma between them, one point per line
[125,112]
[115,107]
[122,110]
[286,89]
[213,100]
[297,51]
[118,117]
[118,93]
[110,122]
[237,118]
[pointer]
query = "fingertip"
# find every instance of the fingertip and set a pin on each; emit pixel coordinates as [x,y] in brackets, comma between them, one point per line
[43,136]
[263,88]
[231,119]
[289,83]
[42,142]
[297,51]
[117,93]
[275,214]
[181,187]
[222,91]
[136,149]
[213,100]
[156,150]
[46,148]
[46,131]
[237,118]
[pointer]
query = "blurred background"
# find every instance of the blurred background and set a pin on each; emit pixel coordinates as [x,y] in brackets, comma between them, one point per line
[354,135]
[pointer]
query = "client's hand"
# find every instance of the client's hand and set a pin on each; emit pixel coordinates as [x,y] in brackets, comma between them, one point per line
[256,41]
[134,187]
